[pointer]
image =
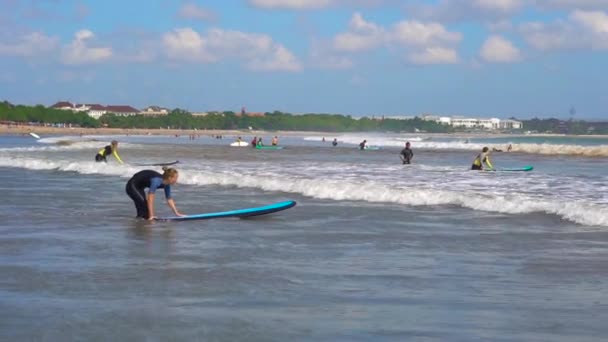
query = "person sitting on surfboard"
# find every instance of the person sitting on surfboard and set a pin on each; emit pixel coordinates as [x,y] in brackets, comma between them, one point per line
[406,154]
[275,141]
[254,142]
[144,203]
[483,157]
[260,143]
[362,145]
[112,149]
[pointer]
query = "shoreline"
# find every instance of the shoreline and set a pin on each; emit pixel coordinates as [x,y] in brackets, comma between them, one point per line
[76,131]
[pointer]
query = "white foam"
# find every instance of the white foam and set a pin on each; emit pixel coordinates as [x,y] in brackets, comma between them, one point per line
[462,144]
[352,189]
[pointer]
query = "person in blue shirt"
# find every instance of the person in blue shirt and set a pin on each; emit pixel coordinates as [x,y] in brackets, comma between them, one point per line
[144,203]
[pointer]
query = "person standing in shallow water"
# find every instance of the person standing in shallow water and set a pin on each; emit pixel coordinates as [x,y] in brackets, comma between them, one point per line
[152,180]
[481,159]
[406,154]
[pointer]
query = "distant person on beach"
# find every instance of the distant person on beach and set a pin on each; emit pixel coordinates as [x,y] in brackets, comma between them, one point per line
[112,149]
[362,145]
[335,142]
[406,154]
[483,157]
[275,141]
[152,180]
[254,142]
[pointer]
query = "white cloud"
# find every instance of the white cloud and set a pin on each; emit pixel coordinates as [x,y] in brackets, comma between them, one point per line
[191,10]
[571,4]
[319,4]
[258,50]
[78,51]
[435,55]
[29,45]
[428,42]
[291,4]
[594,21]
[281,60]
[418,33]
[363,35]
[581,30]
[463,10]
[497,49]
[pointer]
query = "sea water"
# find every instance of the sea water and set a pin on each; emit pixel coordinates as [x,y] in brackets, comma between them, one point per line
[374,250]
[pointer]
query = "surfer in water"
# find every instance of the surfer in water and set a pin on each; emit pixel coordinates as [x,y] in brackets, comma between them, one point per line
[335,142]
[144,203]
[112,149]
[260,143]
[254,142]
[406,154]
[274,141]
[483,157]
[362,145]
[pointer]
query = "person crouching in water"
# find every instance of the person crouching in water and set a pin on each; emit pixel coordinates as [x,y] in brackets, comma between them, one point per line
[407,154]
[483,157]
[106,151]
[144,203]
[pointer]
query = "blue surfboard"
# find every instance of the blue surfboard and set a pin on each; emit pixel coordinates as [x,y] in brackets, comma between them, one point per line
[250,212]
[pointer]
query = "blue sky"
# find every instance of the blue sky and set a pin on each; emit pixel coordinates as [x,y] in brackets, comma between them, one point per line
[502,58]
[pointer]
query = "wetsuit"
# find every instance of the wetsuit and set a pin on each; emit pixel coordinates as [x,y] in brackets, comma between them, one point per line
[362,146]
[136,189]
[102,155]
[334,143]
[407,154]
[483,157]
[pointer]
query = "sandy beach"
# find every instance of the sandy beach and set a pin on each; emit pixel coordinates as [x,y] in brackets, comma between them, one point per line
[41,130]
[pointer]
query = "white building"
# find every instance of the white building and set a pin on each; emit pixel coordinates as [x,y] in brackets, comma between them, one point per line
[510,124]
[475,123]
[154,111]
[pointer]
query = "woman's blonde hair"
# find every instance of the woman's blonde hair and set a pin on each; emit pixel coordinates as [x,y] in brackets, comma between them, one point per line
[169,172]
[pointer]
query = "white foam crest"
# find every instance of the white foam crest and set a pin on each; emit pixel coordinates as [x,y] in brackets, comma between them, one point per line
[578,211]
[370,191]
[69,147]
[554,149]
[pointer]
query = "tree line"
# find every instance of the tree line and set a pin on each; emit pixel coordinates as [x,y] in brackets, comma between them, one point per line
[182,119]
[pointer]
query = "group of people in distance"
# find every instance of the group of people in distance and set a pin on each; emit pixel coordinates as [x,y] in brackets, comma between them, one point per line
[152,180]
[258,141]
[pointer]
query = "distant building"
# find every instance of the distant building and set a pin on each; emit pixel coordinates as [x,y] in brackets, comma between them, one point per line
[511,124]
[154,111]
[63,105]
[122,110]
[475,123]
[201,114]
[97,110]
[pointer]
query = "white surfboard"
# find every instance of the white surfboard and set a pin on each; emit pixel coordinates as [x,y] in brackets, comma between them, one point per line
[34,135]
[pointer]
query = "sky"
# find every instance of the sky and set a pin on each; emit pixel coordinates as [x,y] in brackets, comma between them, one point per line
[487,58]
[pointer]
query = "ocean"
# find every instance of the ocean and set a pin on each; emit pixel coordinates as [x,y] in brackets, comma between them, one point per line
[374,250]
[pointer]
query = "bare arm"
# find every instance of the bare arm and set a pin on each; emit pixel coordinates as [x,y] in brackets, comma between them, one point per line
[150,199]
[171,204]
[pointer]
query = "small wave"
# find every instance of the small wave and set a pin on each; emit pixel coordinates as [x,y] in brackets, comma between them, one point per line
[581,212]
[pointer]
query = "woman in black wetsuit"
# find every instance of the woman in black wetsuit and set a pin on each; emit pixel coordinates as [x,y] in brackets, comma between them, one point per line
[144,203]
